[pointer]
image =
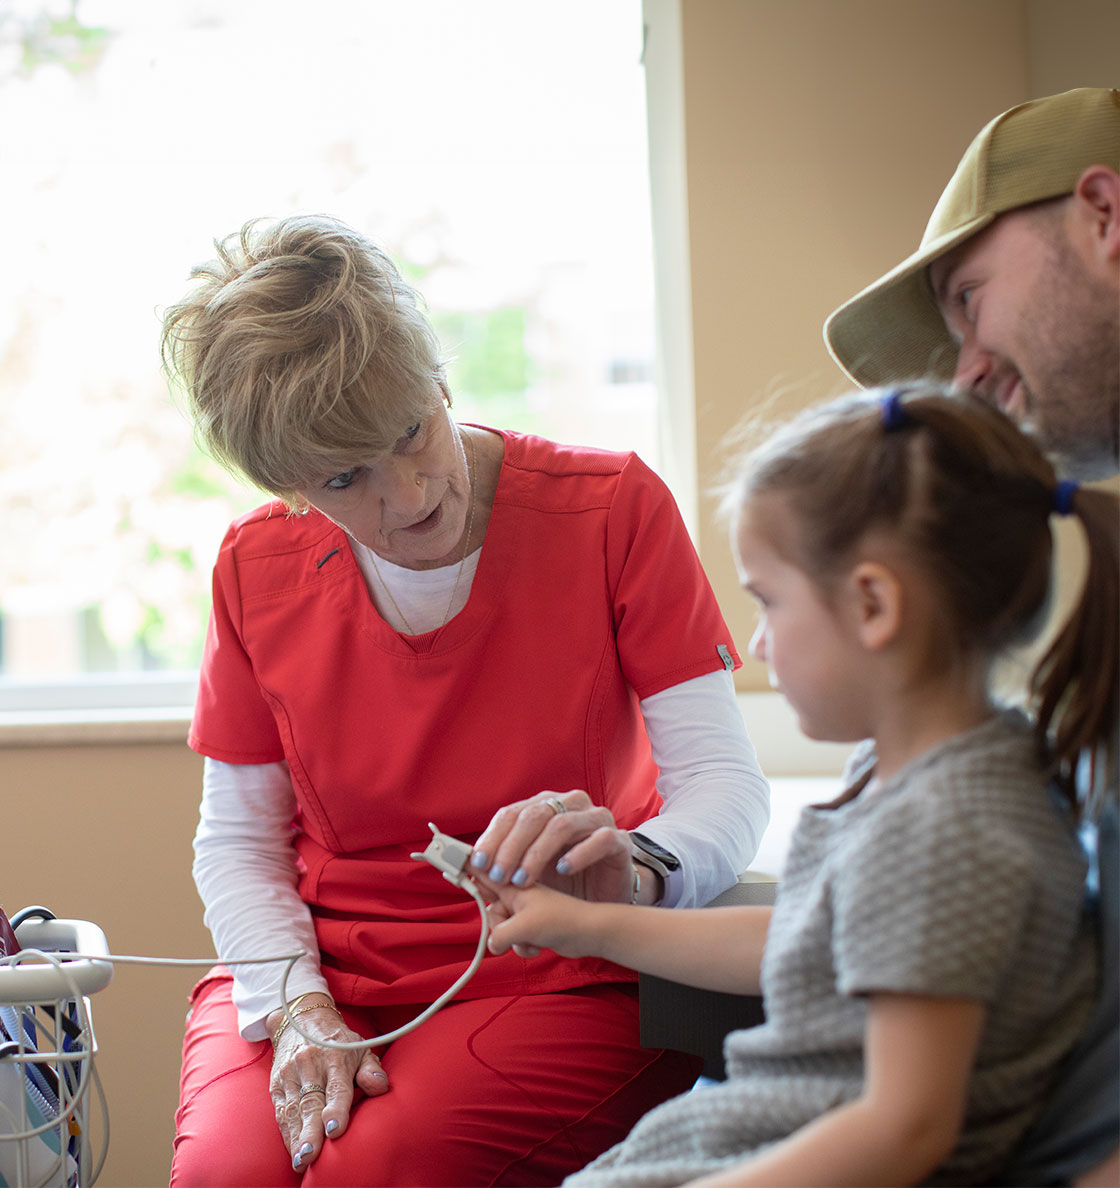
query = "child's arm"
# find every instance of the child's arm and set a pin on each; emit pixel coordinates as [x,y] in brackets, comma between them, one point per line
[713,948]
[919,1053]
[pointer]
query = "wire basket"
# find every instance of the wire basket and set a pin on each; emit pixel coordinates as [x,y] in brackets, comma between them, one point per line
[47,1046]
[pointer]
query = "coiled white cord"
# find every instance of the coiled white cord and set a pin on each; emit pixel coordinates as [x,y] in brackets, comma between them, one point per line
[447,854]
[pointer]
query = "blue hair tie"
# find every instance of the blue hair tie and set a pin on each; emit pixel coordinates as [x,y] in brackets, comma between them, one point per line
[1061,502]
[894,415]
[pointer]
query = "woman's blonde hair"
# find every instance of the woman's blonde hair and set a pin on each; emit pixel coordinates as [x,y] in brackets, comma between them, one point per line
[967,497]
[302,351]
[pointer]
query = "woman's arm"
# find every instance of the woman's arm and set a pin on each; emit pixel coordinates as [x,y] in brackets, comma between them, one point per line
[919,1053]
[717,801]
[713,948]
[245,871]
[717,804]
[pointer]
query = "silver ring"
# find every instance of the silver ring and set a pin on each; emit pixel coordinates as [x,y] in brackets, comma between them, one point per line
[307,1090]
[556,804]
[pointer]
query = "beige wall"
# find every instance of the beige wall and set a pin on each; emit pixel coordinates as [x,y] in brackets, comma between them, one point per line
[816,137]
[1072,43]
[103,833]
[813,140]
[819,134]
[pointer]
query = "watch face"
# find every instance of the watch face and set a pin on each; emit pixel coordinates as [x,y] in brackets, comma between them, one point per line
[650,847]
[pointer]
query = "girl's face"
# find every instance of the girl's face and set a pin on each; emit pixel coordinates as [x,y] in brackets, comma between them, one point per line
[810,651]
[409,506]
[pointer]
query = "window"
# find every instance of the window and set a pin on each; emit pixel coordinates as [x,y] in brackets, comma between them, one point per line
[495,148]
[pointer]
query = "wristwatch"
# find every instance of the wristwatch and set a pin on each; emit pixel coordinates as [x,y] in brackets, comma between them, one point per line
[645,851]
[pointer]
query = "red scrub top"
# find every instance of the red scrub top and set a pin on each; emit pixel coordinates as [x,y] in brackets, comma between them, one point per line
[588,596]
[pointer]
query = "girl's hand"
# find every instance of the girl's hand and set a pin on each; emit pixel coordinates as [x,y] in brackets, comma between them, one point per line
[559,839]
[313,1087]
[540,918]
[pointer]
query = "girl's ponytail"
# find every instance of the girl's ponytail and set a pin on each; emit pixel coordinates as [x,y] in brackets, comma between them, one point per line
[1076,684]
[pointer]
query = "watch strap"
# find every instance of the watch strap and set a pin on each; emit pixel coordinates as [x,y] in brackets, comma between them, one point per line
[649,853]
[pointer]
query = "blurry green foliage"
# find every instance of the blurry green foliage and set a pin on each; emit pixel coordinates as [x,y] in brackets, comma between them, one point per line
[489,350]
[45,38]
[490,370]
[203,478]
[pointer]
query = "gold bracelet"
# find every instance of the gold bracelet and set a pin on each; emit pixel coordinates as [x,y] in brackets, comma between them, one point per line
[300,997]
[312,1006]
[292,1006]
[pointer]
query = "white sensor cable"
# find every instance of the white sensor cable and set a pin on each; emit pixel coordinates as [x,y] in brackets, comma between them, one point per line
[447,854]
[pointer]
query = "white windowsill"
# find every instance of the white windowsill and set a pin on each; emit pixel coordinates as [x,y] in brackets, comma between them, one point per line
[157,709]
[150,708]
[69,728]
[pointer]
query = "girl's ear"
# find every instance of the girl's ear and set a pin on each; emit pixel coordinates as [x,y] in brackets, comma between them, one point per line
[877,602]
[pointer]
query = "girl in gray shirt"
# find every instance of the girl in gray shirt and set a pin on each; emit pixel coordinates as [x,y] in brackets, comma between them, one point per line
[928,963]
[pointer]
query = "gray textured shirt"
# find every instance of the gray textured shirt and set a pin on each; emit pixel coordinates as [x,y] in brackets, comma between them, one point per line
[961,876]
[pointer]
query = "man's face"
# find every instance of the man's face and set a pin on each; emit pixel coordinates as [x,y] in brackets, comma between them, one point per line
[1038,336]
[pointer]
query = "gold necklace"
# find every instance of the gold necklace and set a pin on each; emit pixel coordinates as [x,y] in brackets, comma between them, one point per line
[472,468]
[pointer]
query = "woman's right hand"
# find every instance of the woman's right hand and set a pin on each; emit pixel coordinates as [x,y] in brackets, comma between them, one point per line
[313,1087]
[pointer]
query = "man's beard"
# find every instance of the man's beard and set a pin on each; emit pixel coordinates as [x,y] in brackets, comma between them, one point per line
[1073,321]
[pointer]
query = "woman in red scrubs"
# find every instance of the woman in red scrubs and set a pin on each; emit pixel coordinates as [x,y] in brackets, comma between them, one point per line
[439,622]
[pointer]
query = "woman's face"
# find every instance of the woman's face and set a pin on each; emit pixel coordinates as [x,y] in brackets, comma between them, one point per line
[409,506]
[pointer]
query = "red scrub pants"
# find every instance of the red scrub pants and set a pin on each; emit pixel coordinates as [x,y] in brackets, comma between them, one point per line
[514,1091]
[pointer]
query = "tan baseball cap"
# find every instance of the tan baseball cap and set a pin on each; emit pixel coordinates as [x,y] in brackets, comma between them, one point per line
[893,330]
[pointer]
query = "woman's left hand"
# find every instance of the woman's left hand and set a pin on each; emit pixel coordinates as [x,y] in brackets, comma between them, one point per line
[560,839]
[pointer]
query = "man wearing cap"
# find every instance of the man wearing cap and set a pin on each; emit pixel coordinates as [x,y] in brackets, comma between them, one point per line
[1015,289]
[1015,294]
